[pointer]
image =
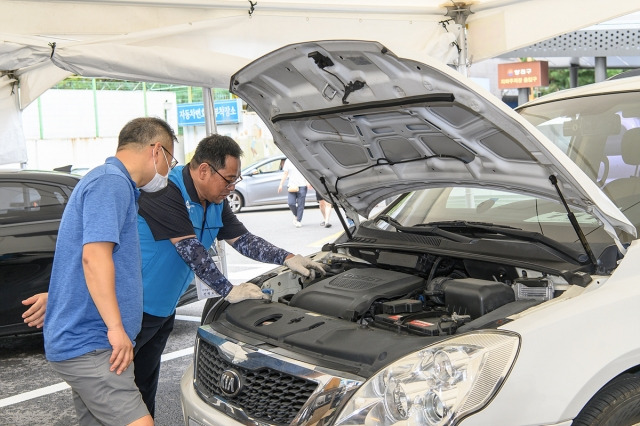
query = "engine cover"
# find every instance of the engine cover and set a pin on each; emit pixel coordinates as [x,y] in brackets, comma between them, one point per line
[350,294]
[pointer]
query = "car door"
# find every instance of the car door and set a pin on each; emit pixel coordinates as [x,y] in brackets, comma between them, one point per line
[261,184]
[30,215]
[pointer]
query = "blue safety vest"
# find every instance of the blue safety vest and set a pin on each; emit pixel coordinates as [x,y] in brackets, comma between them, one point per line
[165,275]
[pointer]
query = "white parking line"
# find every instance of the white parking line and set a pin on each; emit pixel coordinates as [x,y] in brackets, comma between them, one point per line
[177,354]
[248,272]
[16,399]
[26,396]
[188,318]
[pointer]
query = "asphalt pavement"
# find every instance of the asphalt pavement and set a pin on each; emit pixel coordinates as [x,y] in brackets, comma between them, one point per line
[32,394]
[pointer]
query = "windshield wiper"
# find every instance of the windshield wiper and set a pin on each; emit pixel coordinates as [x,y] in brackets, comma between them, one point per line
[466,224]
[435,228]
[510,231]
[424,230]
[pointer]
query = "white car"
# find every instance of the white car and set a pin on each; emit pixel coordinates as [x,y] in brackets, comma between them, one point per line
[500,287]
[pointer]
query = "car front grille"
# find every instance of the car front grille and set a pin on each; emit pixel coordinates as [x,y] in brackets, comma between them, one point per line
[267,395]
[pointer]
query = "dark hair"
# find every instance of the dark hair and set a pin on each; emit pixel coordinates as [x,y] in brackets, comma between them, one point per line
[214,150]
[143,130]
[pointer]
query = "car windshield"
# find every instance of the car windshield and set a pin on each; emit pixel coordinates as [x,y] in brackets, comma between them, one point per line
[265,166]
[459,212]
[601,134]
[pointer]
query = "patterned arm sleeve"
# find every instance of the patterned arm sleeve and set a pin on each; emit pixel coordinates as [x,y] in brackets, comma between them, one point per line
[196,256]
[259,249]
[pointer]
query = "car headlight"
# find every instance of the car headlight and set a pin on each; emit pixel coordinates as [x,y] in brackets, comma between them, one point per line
[437,385]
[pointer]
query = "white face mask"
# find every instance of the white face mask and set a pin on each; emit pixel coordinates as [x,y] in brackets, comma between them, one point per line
[158,182]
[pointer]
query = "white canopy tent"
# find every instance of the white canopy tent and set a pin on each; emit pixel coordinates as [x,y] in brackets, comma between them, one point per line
[202,43]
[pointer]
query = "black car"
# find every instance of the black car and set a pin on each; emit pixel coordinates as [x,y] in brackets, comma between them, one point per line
[31,206]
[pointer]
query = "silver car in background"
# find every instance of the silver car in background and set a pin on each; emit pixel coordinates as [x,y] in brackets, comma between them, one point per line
[259,185]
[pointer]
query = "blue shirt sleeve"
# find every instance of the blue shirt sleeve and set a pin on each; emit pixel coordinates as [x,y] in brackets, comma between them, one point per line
[105,209]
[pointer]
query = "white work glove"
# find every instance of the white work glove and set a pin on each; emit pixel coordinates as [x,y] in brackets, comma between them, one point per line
[245,291]
[305,266]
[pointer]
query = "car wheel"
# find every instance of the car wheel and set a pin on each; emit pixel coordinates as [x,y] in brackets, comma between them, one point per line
[616,404]
[235,201]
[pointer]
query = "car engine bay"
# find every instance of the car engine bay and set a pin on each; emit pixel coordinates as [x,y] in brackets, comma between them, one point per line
[455,293]
[363,315]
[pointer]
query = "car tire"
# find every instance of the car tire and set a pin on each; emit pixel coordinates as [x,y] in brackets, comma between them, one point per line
[236,202]
[616,404]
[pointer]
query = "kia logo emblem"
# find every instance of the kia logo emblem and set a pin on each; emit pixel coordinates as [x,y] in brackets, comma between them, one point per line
[230,383]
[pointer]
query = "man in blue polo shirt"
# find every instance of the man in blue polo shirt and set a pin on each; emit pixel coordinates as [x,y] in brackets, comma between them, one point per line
[94,309]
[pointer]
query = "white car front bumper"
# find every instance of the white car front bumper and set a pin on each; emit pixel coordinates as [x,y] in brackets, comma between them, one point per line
[196,412]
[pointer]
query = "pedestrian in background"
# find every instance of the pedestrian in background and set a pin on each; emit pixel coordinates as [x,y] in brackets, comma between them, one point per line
[297,187]
[94,307]
[325,210]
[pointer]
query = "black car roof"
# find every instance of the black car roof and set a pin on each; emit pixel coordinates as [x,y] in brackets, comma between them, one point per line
[40,175]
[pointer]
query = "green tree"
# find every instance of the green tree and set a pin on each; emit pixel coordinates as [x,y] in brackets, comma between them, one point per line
[184,94]
[559,79]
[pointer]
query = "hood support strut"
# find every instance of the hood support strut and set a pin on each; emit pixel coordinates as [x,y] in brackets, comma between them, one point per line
[574,223]
[336,207]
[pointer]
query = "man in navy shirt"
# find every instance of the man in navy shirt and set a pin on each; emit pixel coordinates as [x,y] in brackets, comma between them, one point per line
[177,226]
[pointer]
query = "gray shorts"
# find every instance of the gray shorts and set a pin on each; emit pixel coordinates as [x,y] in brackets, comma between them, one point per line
[100,396]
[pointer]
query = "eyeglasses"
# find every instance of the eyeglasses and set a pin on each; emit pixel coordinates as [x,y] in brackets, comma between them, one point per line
[174,162]
[229,182]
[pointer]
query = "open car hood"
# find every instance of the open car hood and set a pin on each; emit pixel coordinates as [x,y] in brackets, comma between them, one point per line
[365,125]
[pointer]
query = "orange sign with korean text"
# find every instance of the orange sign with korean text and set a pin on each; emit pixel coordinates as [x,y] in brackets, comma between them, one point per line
[523,74]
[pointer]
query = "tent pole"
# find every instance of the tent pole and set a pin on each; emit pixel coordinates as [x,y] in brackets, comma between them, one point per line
[459,12]
[220,255]
[209,112]
[600,68]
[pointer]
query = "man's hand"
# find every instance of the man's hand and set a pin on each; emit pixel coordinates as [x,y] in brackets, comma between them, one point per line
[34,316]
[244,291]
[304,266]
[122,354]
